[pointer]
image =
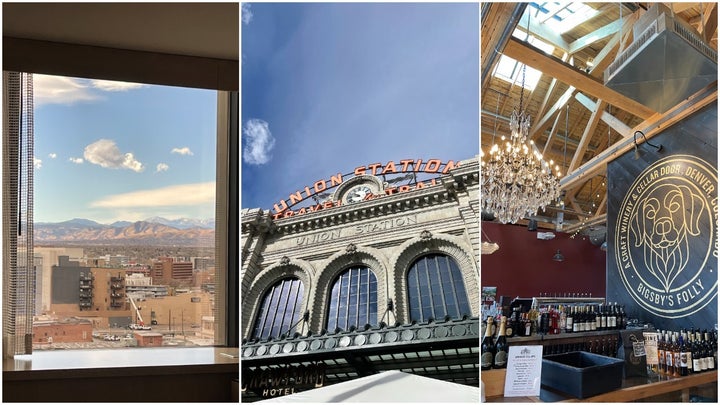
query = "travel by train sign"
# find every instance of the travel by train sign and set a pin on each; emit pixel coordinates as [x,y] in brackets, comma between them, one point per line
[323,187]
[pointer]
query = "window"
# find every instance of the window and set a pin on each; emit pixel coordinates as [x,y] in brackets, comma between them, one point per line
[125,160]
[436,289]
[510,70]
[353,299]
[562,16]
[280,309]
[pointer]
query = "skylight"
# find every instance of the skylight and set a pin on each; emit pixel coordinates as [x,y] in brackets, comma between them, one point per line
[561,17]
[510,70]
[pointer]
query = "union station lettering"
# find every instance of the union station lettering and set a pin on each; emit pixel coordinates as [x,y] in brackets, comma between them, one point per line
[282,208]
[383,225]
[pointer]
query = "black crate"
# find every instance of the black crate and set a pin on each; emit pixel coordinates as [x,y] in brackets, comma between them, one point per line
[582,374]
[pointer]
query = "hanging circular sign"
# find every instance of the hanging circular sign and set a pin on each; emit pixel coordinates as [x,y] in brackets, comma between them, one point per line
[666,237]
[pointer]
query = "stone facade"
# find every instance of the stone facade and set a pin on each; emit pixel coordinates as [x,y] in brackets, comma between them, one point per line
[386,234]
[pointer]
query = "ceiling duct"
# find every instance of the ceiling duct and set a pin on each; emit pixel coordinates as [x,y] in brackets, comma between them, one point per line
[667,62]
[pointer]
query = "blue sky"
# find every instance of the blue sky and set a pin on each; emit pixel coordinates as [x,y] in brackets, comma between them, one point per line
[110,151]
[327,87]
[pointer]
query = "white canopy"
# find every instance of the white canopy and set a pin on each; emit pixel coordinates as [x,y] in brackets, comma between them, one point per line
[388,386]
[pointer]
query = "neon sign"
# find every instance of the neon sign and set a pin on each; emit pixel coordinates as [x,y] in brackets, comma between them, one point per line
[283,207]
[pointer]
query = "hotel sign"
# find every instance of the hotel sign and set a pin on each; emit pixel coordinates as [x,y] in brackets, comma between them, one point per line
[666,244]
[284,380]
[283,208]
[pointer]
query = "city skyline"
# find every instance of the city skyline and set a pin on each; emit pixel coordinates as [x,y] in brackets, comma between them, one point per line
[328,87]
[114,151]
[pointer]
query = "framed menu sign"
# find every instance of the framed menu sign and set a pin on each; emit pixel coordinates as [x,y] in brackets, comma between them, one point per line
[523,371]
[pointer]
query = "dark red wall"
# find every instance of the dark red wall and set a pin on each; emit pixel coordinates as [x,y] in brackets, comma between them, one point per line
[523,265]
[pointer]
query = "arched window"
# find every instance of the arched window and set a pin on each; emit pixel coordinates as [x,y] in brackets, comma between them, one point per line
[353,299]
[280,309]
[436,289]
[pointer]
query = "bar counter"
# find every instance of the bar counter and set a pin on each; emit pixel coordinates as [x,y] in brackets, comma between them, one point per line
[665,388]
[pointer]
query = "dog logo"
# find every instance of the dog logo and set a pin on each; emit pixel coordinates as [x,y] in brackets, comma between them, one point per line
[661,226]
[665,237]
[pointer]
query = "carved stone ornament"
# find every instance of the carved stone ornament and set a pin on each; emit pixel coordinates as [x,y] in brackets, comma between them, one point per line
[285,261]
[351,249]
[425,236]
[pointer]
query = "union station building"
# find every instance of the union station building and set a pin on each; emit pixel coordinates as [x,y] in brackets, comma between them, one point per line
[380,271]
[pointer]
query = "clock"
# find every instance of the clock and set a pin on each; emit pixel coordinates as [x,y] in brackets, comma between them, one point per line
[357,194]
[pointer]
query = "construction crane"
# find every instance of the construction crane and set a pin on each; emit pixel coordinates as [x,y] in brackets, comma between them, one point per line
[140,325]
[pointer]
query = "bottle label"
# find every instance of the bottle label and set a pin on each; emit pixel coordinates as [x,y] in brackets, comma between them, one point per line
[486,360]
[508,331]
[696,365]
[501,358]
[710,363]
[683,359]
[527,329]
[603,322]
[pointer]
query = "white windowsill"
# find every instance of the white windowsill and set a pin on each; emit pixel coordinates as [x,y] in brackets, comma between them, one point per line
[117,362]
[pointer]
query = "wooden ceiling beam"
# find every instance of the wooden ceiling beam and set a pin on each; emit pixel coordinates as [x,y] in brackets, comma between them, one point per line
[549,91]
[552,13]
[710,24]
[542,124]
[551,134]
[595,36]
[552,66]
[680,7]
[650,127]
[607,55]
[596,220]
[589,130]
[608,118]
[542,31]
[493,34]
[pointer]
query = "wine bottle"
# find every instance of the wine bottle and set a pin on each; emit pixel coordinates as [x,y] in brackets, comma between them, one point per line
[708,353]
[598,322]
[683,356]
[501,346]
[669,354]
[487,356]
[603,317]
[676,352]
[569,319]
[661,353]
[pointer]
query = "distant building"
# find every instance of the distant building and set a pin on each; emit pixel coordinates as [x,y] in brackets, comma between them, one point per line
[49,257]
[148,339]
[64,330]
[203,263]
[166,268]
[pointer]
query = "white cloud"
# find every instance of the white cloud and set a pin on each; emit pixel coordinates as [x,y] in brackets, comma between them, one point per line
[107,85]
[258,142]
[52,155]
[105,153]
[60,90]
[68,90]
[37,163]
[161,167]
[77,161]
[180,195]
[247,15]
[182,151]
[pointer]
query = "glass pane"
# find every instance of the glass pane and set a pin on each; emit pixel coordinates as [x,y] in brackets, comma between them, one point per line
[280,309]
[357,292]
[436,289]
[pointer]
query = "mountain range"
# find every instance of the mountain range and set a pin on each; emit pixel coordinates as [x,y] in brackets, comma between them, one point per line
[152,231]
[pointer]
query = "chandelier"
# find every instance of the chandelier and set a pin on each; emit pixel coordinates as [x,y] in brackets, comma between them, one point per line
[516,180]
